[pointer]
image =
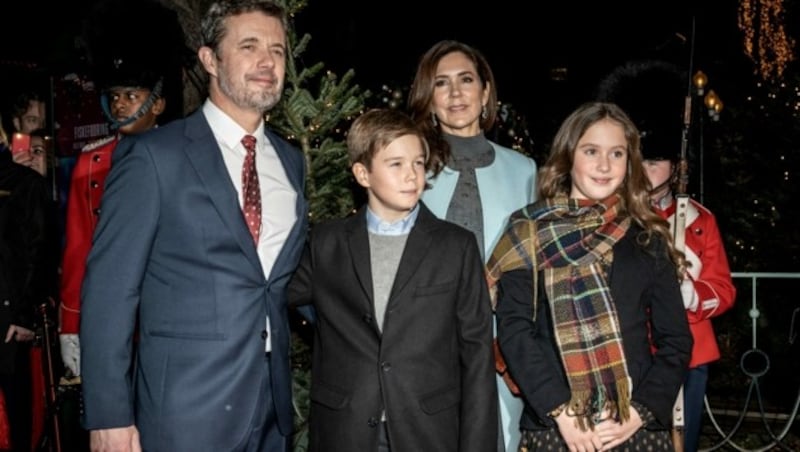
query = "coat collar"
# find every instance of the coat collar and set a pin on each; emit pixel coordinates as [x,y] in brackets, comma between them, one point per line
[417,246]
[206,158]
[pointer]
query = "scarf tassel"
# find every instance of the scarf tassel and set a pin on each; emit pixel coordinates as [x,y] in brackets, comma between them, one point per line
[587,405]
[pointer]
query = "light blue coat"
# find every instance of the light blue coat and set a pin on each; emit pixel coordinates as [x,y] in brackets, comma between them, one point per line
[505,186]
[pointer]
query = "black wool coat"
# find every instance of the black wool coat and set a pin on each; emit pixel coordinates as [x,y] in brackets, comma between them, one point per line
[431,369]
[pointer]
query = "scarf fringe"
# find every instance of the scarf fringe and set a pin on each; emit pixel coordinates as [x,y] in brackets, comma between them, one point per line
[587,406]
[623,411]
[572,241]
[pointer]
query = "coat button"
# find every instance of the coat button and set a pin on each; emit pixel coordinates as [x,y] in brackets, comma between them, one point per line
[386,366]
[94,184]
[367,318]
[264,335]
[96,157]
[372,422]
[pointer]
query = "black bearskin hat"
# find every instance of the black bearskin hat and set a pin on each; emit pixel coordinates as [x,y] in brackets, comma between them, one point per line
[137,43]
[127,71]
[653,94]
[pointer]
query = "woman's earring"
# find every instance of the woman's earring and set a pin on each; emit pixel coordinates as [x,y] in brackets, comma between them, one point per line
[484,114]
[434,120]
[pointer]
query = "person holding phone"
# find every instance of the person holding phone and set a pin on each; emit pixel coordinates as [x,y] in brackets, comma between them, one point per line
[31,150]
[26,112]
[26,267]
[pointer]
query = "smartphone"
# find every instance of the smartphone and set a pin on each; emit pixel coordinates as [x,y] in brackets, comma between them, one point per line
[21,142]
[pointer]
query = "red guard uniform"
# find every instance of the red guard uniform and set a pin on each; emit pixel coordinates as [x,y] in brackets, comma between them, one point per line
[709,290]
[83,208]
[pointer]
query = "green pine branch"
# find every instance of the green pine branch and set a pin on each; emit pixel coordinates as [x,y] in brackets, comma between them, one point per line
[316,108]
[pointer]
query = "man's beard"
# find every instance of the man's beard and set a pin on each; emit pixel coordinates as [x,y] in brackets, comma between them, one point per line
[241,96]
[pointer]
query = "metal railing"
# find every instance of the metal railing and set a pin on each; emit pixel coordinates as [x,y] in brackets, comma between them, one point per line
[755,364]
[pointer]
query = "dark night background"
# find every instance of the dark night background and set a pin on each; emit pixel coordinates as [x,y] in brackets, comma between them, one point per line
[523,41]
[547,58]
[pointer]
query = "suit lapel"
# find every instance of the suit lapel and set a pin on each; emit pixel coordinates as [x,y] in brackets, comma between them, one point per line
[358,243]
[293,166]
[206,158]
[417,246]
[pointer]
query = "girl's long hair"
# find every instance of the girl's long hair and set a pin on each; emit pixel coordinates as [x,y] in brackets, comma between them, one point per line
[554,177]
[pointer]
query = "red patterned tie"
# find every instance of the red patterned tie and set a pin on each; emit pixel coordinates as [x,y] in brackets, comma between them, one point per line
[250,188]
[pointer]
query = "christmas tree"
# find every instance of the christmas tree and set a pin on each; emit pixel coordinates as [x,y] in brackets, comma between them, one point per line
[315,121]
[316,108]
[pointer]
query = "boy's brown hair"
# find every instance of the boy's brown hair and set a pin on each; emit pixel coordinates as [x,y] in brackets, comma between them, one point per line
[375,130]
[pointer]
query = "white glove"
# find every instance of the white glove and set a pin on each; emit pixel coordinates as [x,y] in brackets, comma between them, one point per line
[71,352]
[688,294]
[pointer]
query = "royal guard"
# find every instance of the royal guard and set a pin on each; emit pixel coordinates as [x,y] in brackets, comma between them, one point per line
[132,100]
[652,93]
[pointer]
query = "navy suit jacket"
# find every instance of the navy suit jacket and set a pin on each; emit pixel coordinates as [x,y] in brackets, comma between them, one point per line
[172,246]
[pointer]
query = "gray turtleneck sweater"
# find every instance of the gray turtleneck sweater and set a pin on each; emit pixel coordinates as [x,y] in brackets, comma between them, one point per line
[467,154]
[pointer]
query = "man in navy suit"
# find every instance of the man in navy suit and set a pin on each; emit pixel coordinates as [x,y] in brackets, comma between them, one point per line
[175,262]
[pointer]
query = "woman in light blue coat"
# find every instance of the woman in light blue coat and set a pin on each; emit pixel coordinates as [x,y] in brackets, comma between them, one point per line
[473,182]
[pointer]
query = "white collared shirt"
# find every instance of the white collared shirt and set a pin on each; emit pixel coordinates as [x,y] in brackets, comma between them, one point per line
[278,197]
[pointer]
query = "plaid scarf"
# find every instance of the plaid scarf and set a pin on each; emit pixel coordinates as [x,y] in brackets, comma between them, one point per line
[571,241]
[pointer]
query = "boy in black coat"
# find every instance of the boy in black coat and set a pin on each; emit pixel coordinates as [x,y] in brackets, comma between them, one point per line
[403,337]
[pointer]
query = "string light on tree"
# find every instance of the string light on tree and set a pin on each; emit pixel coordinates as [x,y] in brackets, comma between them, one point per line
[765,39]
[513,128]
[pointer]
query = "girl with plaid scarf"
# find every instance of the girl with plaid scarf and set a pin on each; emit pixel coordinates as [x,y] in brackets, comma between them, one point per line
[585,281]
